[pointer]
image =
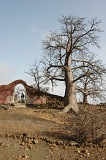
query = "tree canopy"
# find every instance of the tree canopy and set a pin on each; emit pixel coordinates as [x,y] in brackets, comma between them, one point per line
[68,58]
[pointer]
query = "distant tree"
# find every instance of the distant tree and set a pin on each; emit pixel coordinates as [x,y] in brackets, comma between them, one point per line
[66,47]
[35,71]
[92,85]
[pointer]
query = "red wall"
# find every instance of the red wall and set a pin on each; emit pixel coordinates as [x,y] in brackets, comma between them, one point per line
[6,93]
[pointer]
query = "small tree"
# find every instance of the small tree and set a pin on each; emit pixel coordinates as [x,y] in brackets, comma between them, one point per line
[61,49]
[92,85]
[35,71]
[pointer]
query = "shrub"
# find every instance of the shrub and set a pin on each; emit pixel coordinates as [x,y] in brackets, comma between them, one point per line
[86,127]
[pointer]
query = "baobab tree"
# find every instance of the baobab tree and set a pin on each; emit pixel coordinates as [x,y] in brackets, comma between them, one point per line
[74,38]
[92,85]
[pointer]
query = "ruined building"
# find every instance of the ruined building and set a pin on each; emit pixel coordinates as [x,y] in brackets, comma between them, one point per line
[32,96]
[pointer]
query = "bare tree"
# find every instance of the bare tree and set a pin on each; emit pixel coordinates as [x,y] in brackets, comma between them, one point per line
[92,85]
[35,71]
[63,48]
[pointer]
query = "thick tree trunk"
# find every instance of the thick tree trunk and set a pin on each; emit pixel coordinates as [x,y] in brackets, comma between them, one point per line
[70,101]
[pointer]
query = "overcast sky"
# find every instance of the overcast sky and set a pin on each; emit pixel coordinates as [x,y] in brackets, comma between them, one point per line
[25,23]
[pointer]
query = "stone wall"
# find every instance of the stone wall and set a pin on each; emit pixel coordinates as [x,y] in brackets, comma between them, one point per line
[33,96]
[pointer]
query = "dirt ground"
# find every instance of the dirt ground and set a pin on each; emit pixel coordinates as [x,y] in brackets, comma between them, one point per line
[45,134]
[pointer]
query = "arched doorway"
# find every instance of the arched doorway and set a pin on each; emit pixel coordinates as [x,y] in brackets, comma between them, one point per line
[8,93]
[19,94]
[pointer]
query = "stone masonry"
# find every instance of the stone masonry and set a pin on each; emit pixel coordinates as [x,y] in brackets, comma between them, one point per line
[32,95]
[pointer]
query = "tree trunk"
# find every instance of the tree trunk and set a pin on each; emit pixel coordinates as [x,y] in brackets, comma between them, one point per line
[70,101]
[85,95]
[85,100]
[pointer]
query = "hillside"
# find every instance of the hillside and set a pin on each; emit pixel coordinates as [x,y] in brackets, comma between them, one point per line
[44,134]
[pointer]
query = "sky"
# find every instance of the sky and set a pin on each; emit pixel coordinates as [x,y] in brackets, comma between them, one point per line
[24,24]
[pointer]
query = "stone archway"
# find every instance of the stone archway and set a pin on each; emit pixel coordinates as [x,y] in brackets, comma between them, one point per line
[19,90]
[33,96]
[6,91]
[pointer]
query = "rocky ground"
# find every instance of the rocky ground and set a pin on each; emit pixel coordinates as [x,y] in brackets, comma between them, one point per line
[45,134]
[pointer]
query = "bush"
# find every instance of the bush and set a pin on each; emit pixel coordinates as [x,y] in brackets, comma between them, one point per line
[86,127]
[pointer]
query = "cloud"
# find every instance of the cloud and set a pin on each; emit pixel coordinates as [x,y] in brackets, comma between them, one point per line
[6,73]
